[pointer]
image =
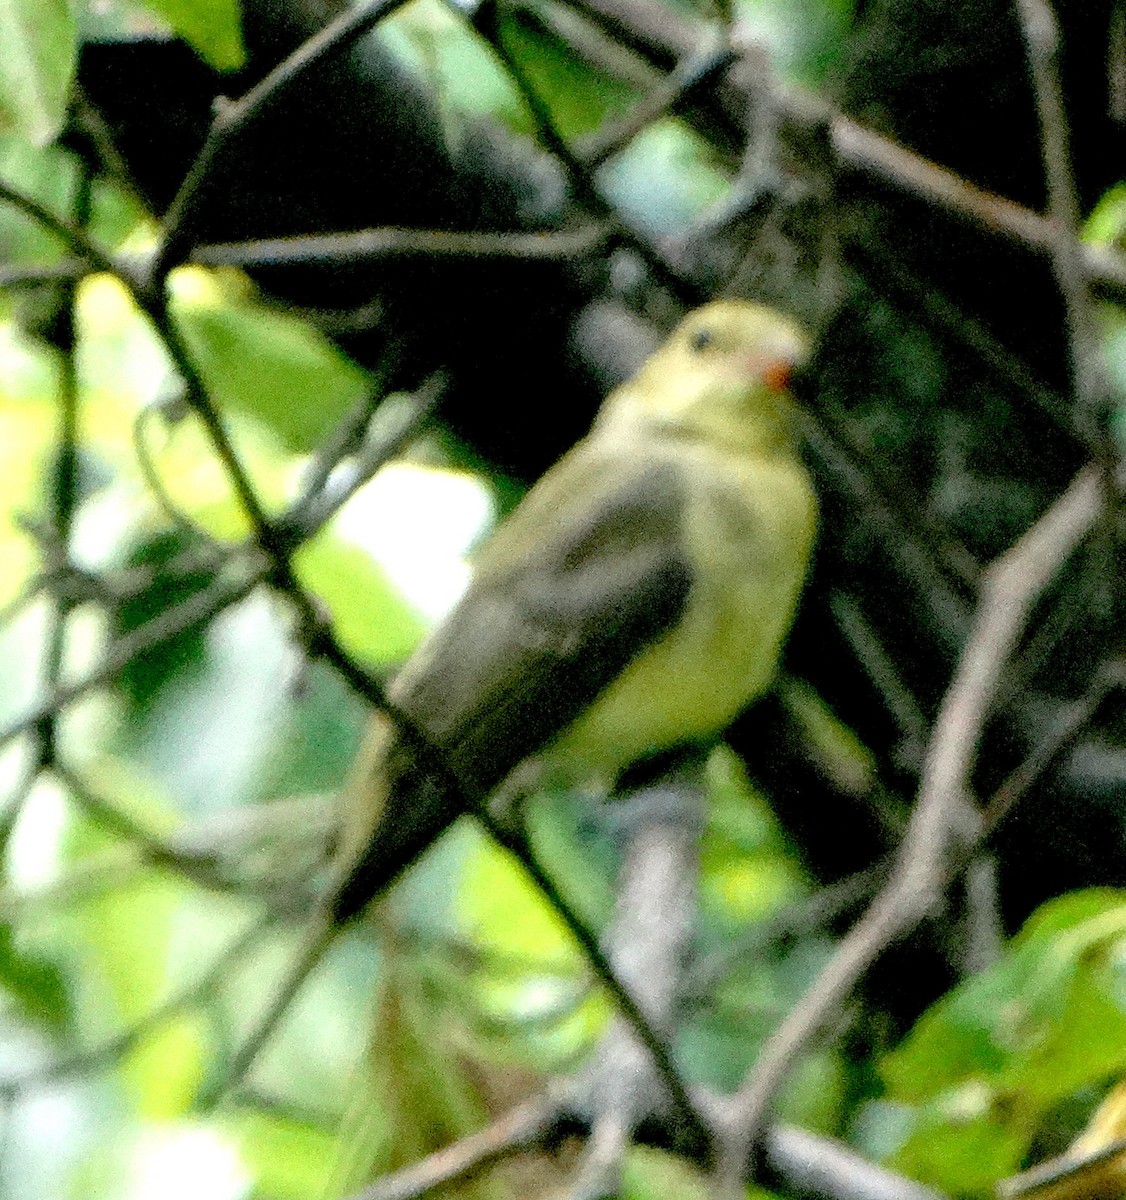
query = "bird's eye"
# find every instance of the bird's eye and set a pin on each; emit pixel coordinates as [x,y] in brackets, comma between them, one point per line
[701,339]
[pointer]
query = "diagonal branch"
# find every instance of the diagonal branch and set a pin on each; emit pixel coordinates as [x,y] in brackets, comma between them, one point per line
[1010,588]
[1092,386]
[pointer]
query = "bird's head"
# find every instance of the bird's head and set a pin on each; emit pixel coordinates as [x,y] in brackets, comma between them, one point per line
[723,372]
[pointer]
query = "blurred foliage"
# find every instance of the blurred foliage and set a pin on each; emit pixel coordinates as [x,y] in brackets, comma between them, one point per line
[468,990]
[40,50]
[265,363]
[990,1063]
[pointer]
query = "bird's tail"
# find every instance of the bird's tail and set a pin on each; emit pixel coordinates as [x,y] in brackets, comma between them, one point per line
[392,811]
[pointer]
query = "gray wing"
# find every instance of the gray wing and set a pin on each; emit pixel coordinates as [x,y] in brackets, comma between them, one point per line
[535,639]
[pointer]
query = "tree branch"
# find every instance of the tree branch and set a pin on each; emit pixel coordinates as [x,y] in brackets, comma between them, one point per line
[1010,588]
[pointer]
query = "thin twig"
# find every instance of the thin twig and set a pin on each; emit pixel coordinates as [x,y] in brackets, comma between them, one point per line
[578,172]
[90,122]
[1066,727]
[72,236]
[806,1162]
[332,483]
[316,942]
[811,1165]
[663,37]
[329,249]
[182,520]
[813,914]
[692,73]
[948,318]
[114,868]
[919,559]
[647,942]
[54,543]
[881,669]
[14,275]
[399,242]
[1041,38]
[523,1128]
[201,869]
[63,488]
[1076,1177]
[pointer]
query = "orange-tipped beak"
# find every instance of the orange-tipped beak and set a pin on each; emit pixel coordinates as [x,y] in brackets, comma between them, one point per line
[776,373]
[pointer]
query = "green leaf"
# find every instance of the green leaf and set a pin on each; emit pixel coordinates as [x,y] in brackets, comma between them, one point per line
[35,985]
[266,363]
[804,36]
[163,1071]
[38,41]
[1047,1018]
[367,613]
[657,1175]
[992,1059]
[289,1159]
[578,97]
[142,677]
[1106,225]
[47,174]
[460,72]
[747,872]
[211,26]
[960,1148]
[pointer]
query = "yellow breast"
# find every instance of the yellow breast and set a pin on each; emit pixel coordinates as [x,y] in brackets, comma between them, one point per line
[749,527]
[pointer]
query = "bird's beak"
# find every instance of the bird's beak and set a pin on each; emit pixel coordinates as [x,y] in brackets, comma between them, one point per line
[775,370]
[777,373]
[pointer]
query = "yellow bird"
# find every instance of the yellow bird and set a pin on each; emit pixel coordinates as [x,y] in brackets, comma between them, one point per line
[635,601]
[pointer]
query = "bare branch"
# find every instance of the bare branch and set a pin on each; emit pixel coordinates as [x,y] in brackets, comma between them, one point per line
[392,241]
[1070,1176]
[333,484]
[647,943]
[805,1162]
[523,1128]
[1011,586]
[1041,37]
[664,37]
[1066,727]
[818,1166]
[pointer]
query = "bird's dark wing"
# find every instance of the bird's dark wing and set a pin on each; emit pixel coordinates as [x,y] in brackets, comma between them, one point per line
[556,613]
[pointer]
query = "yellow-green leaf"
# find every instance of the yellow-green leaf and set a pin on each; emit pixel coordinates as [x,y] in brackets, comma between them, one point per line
[211,26]
[37,56]
[367,613]
[266,363]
